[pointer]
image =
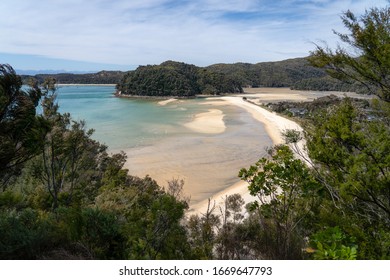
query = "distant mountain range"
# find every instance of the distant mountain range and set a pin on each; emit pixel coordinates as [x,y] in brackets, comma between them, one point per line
[102,77]
[51,72]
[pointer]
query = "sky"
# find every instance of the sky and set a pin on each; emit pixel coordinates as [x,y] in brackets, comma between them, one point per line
[94,35]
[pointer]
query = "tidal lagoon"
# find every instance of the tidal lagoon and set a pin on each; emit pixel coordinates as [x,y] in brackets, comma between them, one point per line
[162,139]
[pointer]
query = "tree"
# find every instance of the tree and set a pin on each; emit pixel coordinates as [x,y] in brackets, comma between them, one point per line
[228,242]
[287,193]
[203,231]
[68,154]
[351,154]
[21,129]
[369,61]
[350,146]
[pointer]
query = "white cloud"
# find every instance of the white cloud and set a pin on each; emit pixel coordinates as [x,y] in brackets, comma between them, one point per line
[151,31]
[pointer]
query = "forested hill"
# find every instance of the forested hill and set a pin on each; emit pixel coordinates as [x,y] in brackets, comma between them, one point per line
[270,74]
[180,79]
[295,73]
[102,77]
[176,79]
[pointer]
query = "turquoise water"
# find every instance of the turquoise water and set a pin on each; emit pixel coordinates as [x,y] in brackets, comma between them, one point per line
[159,144]
[123,123]
[120,122]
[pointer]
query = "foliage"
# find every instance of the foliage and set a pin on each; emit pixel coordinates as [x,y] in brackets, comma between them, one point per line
[369,38]
[333,244]
[20,127]
[202,232]
[24,234]
[351,153]
[102,77]
[350,146]
[72,200]
[175,79]
[218,78]
[287,194]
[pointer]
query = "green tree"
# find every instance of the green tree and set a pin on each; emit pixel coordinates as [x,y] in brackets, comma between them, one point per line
[21,129]
[350,146]
[228,244]
[366,58]
[288,194]
[202,232]
[150,218]
[333,244]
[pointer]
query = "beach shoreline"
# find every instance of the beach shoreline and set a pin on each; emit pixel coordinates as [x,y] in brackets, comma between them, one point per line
[274,126]
[202,123]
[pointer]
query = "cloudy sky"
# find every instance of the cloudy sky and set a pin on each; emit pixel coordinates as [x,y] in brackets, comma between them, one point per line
[81,35]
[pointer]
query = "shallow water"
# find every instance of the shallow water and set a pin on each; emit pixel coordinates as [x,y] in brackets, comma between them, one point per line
[158,144]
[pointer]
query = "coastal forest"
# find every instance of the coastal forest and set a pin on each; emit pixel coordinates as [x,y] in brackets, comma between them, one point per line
[63,196]
[172,78]
[102,77]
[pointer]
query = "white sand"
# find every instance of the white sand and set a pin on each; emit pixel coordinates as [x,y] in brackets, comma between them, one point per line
[210,122]
[274,125]
[165,102]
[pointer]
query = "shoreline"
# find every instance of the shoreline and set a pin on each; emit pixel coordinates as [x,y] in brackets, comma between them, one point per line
[274,126]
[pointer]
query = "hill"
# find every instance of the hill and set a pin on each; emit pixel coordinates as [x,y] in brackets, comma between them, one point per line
[295,73]
[102,77]
[180,79]
[176,79]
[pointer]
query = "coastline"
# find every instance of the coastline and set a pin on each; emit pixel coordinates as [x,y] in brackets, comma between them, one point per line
[202,123]
[274,125]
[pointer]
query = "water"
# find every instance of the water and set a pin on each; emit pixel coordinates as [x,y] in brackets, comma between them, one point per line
[157,142]
[125,123]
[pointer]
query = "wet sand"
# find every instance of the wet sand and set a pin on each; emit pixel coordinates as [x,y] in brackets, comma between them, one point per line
[209,162]
[207,155]
[210,122]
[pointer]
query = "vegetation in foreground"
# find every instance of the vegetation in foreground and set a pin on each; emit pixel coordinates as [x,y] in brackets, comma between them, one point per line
[63,197]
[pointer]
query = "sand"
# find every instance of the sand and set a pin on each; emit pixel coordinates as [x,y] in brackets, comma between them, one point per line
[191,159]
[274,125]
[266,95]
[210,122]
[165,102]
[227,139]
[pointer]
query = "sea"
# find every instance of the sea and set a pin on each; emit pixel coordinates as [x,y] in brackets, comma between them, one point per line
[157,142]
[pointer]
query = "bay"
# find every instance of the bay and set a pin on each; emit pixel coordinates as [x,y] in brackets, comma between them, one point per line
[159,144]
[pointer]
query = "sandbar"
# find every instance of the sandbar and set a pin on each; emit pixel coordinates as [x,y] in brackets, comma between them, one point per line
[210,122]
[165,102]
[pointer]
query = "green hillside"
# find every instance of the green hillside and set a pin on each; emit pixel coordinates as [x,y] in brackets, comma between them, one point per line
[176,79]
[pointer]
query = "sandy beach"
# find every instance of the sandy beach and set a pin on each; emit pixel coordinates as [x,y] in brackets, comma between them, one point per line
[274,125]
[218,145]
[206,149]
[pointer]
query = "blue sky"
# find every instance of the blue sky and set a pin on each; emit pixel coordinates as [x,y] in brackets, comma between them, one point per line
[81,35]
